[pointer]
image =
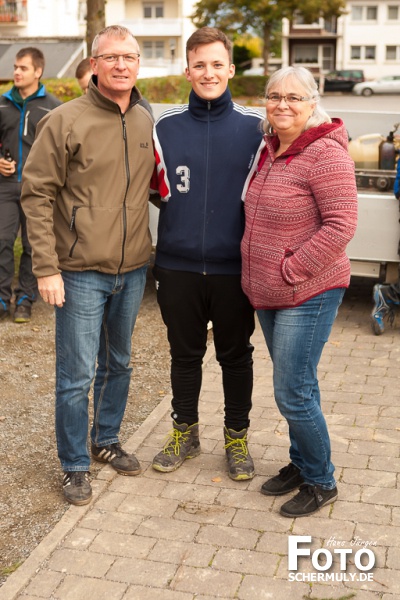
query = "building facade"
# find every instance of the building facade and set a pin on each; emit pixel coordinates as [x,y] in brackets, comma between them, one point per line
[160,26]
[367,37]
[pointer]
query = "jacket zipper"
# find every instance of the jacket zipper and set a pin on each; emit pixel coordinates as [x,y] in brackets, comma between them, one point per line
[206,189]
[128,177]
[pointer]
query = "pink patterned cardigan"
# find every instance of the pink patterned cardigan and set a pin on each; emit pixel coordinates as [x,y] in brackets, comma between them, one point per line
[301,212]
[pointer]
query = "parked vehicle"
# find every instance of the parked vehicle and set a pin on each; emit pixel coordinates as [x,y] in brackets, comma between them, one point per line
[374,251]
[342,80]
[390,84]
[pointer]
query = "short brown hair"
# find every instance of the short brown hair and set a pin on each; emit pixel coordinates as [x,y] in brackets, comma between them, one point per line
[83,67]
[36,55]
[208,35]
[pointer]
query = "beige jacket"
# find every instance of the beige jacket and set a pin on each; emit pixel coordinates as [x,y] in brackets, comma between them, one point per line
[85,187]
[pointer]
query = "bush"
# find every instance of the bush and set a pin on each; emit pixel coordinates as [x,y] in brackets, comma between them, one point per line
[165,90]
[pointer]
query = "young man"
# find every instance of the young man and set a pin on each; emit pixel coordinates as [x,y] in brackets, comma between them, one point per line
[83,73]
[204,152]
[21,108]
[85,194]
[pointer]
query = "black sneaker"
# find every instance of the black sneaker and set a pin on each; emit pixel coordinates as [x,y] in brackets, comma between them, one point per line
[121,461]
[309,499]
[289,479]
[22,314]
[76,487]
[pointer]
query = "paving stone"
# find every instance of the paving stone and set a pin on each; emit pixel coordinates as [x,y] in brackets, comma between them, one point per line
[80,538]
[190,492]
[179,553]
[233,537]
[75,562]
[44,584]
[139,592]
[119,544]
[140,486]
[102,520]
[266,588]
[82,588]
[148,506]
[360,513]
[373,448]
[141,572]
[204,513]
[201,581]
[262,521]
[246,561]
[378,479]
[169,529]
[383,536]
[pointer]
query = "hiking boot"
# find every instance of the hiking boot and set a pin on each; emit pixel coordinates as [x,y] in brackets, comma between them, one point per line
[4,310]
[309,499]
[382,298]
[22,313]
[76,487]
[289,479]
[183,442]
[240,463]
[121,461]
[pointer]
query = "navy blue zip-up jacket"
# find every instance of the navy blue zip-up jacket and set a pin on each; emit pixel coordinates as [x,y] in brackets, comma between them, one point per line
[204,151]
[18,125]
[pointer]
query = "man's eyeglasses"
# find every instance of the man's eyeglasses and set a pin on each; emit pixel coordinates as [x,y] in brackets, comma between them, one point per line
[129,59]
[289,99]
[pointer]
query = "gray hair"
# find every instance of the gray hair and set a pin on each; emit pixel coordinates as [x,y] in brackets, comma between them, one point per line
[113,31]
[307,81]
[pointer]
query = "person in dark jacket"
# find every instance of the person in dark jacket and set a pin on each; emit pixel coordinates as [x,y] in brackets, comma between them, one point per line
[204,151]
[386,295]
[21,108]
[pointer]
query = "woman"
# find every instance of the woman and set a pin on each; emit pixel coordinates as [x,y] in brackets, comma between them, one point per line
[301,212]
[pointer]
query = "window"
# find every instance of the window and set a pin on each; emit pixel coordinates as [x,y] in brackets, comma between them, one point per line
[305,54]
[393,13]
[364,13]
[363,52]
[153,50]
[370,52]
[393,53]
[153,11]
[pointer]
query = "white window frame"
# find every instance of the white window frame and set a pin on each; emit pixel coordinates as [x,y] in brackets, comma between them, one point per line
[363,10]
[154,7]
[363,53]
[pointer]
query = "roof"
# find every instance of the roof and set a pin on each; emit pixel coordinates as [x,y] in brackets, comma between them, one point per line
[61,56]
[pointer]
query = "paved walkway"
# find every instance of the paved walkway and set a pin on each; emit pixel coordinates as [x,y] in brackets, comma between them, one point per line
[197,534]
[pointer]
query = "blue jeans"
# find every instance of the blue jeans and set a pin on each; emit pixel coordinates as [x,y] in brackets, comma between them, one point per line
[93,342]
[295,338]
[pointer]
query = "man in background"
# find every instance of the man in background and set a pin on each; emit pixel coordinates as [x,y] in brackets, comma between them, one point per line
[83,74]
[21,108]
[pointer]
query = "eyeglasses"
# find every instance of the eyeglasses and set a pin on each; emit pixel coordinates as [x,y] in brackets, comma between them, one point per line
[129,59]
[289,99]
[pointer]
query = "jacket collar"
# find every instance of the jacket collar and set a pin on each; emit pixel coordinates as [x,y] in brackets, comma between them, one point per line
[98,98]
[213,110]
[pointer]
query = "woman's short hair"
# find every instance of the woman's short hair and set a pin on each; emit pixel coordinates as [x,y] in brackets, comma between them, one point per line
[306,79]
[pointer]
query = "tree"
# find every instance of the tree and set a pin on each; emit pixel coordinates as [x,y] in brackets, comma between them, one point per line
[263,17]
[95,20]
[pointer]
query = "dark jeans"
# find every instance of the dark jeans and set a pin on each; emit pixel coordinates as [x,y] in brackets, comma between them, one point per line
[11,219]
[188,301]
